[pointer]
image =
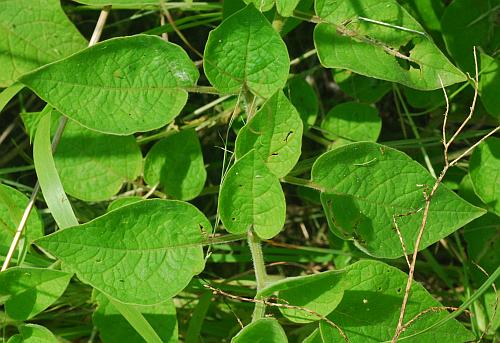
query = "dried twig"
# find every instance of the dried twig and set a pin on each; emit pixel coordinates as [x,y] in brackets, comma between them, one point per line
[275,304]
[405,252]
[96,35]
[430,309]
[429,195]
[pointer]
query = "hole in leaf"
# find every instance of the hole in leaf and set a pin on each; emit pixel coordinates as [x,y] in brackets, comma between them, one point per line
[405,50]
[398,290]
[233,219]
[274,154]
[288,135]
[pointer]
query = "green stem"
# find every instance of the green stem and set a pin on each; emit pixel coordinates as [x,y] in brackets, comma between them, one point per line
[254,243]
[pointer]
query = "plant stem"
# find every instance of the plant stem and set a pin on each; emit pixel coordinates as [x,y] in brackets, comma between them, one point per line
[254,243]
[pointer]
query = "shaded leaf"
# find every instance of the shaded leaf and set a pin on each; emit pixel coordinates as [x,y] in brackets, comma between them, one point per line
[93,166]
[176,163]
[142,253]
[365,89]
[27,292]
[275,132]
[365,184]
[251,197]
[303,97]
[244,51]
[127,83]
[485,172]
[489,84]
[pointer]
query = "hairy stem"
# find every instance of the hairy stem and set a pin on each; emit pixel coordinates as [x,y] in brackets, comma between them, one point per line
[259,267]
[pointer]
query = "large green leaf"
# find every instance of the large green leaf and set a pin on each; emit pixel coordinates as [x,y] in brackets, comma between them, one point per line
[485,172]
[369,310]
[320,293]
[345,39]
[93,166]
[275,132]
[33,333]
[34,33]
[176,163]
[469,23]
[28,291]
[142,253]
[12,205]
[244,51]
[352,121]
[263,330]
[251,197]
[120,86]
[114,328]
[365,184]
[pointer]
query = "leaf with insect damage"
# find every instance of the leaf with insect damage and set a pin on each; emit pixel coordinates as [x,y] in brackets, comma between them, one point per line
[378,38]
[275,132]
[364,185]
[142,253]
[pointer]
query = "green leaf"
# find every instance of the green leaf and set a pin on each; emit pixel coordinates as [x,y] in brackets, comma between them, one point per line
[176,163]
[352,121]
[263,330]
[407,56]
[489,84]
[320,293]
[120,202]
[275,132]
[34,33]
[469,23]
[12,205]
[303,97]
[32,333]
[286,7]
[127,84]
[485,172]
[142,253]
[51,186]
[251,197]
[314,337]
[365,184]
[93,166]
[244,51]
[365,89]
[370,308]
[113,327]
[7,94]
[26,292]
[261,5]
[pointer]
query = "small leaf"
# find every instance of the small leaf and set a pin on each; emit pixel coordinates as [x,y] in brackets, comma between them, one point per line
[286,7]
[370,308]
[352,121]
[114,328]
[246,52]
[130,84]
[251,197]
[489,84]
[275,132]
[320,293]
[26,292]
[32,333]
[344,39]
[34,33]
[142,253]
[365,184]
[176,163]
[263,330]
[485,172]
[93,166]
[366,89]
[303,97]
[12,205]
